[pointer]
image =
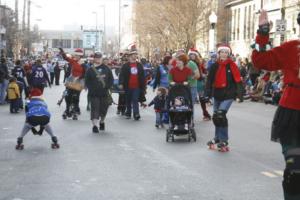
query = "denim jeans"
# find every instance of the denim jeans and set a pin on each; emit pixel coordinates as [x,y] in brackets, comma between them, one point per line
[3,88]
[158,120]
[132,101]
[221,133]
[194,94]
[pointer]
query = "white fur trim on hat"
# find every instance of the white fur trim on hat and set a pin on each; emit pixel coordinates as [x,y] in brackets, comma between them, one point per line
[226,48]
[193,52]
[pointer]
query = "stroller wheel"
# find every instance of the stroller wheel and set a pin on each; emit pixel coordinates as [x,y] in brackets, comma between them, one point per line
[173,138]
[167,135]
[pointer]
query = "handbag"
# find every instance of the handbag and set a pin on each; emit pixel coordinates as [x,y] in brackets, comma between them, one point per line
[74,83]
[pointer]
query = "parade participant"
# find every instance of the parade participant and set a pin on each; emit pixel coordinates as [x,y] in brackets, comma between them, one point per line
[37,114]
[285,126]
[122,97]
[159,103]
[13,94]
[162,73]
[57,73]
[39,76]
[132,80]
[196,57]
[180,73]
[3,80]
[195,73]
[74,83]
[98,80]
[224,84]
[50,69]
[19,73]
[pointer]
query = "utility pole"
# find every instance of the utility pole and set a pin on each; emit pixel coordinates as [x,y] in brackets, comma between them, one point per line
[282,18]
[17,28]
[28,28]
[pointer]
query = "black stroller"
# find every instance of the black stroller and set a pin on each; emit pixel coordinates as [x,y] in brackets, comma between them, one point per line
[180,108]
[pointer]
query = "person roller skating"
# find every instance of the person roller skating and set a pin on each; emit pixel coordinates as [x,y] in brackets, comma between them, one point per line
[224,84]
[37,114]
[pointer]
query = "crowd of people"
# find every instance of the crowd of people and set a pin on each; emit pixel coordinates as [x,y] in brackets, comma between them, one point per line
[224,78]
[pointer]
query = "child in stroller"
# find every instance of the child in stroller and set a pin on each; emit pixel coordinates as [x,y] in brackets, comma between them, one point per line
[180,108]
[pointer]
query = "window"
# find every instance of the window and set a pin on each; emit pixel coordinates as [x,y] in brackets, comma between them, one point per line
[245,22]
[238,24]
[234,24]
[66,43]
[77,43]
[56,43]
[249,22]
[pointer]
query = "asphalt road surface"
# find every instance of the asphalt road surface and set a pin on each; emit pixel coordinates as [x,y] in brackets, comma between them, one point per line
[132,161]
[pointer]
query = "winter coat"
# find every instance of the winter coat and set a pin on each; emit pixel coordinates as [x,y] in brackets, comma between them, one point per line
[13,91]
[125,76]
[37,107]
[159,103]
[233,90]
[96,88]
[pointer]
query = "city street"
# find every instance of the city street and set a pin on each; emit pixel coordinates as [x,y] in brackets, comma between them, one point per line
[132,161]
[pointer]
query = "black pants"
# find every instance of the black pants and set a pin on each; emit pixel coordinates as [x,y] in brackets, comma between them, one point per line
[57,76]
[122,102]
[38,120]
[14,105]
[72,99]
[51,77]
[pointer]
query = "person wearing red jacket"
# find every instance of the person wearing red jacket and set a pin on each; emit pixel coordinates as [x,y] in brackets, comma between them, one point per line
[74,83]
[286,122]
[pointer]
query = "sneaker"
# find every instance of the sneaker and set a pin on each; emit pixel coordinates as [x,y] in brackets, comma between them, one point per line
[128,116]
[156,125]
[137,117]
[95,129]
[102,126]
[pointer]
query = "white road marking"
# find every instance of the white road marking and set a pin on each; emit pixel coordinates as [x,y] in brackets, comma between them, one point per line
[278,172]
[268,174]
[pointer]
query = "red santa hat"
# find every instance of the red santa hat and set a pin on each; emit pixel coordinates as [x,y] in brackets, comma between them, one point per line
[193,50]
[132,49]
[35,92]
[78,52]
[224,47]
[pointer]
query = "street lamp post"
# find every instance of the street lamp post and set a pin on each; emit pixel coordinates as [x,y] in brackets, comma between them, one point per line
[104,29]
[212,20]
[123,6]
[96,45]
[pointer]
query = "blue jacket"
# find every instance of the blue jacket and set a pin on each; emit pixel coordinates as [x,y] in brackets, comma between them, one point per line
[37,107]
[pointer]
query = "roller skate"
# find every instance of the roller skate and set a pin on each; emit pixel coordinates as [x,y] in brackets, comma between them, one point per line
[20,145]
[223,147]
[211,144]
[54,145]
[66,114]
[75,117]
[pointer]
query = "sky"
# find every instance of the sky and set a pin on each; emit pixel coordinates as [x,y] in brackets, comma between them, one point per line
[71,14]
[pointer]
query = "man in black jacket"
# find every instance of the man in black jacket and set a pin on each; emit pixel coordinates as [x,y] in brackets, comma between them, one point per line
[3,80]
[98,80]
[132,80]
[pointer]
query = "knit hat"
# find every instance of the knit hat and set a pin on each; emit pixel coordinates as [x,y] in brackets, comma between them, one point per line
[35,92]
[78,52]
[224,47]
[193,50]
[98,55]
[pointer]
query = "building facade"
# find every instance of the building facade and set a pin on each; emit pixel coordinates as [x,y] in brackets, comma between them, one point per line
[243,23]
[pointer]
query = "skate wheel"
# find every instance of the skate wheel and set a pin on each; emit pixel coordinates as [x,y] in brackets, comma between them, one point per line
[20,147]
[55,146]
[211,147]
